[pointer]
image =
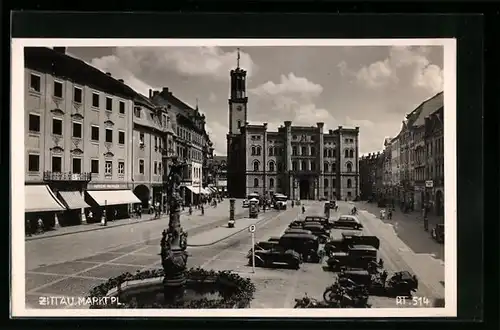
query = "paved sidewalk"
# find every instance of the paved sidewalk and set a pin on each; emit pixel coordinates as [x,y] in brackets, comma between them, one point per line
[410,229]
[209,212]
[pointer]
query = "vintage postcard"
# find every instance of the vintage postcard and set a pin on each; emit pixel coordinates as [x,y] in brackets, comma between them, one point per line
[258,177]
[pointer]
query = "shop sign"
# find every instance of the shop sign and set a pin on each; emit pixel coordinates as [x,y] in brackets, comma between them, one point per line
[429,184]
[105,186]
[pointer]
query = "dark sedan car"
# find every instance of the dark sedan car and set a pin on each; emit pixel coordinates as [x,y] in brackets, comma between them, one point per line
[348,221]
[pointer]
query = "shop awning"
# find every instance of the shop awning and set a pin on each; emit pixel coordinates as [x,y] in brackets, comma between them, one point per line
[113,197]
[213,189]
[205,191]
[195,190]
[40,198]
[73,200]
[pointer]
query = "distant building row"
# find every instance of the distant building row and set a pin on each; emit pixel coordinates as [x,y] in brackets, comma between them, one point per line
[410,169]
[91,140]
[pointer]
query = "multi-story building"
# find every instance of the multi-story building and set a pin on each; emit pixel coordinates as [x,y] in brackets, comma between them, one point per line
[395,167]
[78,138]
[218,173]
[368,175]
[434,145]
[387,175]
[298,161]
[152,137]
[190,142]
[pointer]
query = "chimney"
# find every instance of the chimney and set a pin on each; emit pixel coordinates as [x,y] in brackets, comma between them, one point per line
[150,93]
[121,80]
[340,127]
[61,50]
[265,125]
[330,131]
[156,93]
[165,90]
[108,74]
[288,123]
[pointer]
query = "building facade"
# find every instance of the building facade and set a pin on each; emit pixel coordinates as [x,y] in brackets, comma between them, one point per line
[395,167]
[298,161]
[191,142]
[434,145]
[387,174]
[78,138]
[218,173]
[368,171]
[152,139]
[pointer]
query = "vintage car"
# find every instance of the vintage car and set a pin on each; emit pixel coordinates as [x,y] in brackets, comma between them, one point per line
[356,257]
[322,220]
[297,231]
[437,233]
[318,230]
[399,284]
[347,221]
[306,245]
[253,208]
[296,224]
[276,255]
[266,245]
[274,239]
[349,239]
[280,201]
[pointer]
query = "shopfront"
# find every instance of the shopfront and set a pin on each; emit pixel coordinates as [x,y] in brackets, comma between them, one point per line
[41,203]
[116,201]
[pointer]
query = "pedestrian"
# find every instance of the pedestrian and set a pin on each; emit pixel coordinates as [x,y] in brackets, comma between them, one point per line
[389,215]
[202,210]
[39,227]
[28,227]
[115,214]
[426,221]
[303,209]
[90,216]
[139,212]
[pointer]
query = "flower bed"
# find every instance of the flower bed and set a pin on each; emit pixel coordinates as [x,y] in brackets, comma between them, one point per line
[234,291]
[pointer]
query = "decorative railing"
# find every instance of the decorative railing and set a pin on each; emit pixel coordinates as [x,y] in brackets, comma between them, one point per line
[66,176]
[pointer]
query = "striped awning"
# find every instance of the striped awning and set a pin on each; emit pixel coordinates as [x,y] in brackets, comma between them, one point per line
[194,190]
[40,198]
[73,200]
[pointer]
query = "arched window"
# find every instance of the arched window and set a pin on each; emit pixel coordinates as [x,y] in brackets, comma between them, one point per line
[303,151]
[346,153]
[294,166]
[253,151]
[271,183]
[334,167]
[349,183]
[334,152]
[258,151]
[294,151]
[325,167]
[270,151]
[256,165]
[330,153]
[349,166]
[325,152]
[326,183]
[313,166]
[313,151]
[271,166]
[280,167]
[255,182]
[303,166]
[351,153]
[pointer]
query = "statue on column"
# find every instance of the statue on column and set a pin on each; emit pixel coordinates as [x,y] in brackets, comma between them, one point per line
[174,239]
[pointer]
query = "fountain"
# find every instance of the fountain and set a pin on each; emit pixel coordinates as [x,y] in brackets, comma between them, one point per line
[173,286]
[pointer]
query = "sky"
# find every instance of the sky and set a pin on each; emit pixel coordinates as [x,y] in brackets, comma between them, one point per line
[372,87]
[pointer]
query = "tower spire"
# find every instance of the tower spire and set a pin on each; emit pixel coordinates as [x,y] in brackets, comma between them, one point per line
[196,103]
[238,59]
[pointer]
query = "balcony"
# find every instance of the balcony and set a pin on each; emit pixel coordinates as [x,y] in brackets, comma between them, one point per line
[66,176]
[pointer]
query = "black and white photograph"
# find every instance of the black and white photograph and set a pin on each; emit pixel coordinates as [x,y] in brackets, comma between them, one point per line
[221,177]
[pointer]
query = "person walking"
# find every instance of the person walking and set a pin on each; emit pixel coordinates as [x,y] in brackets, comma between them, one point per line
[28,227]
[303,209]
[426,220]
[39,226]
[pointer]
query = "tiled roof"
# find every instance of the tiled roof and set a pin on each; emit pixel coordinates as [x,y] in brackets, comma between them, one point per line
[428,107]
[53,62]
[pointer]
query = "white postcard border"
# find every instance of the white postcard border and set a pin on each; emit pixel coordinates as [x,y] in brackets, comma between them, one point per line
[18,308]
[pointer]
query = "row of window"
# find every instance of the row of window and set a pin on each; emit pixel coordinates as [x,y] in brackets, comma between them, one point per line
[256,183]
[34,165]
[304,137]
[303,151]
[197,172]
[77,129]
[326,167]
[189,136]
[58,91]
[164,119]
[349,140]
[349,153]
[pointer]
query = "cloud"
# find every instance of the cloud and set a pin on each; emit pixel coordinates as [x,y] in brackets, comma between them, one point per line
[212,97]
[157,63]
[407,66]
[292,98]
[217,133]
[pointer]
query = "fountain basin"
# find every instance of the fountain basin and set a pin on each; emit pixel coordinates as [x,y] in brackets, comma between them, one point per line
[203,289]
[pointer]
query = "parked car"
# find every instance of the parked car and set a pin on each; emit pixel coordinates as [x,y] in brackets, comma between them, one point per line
[274,239]
[298,231]
[437,233]
[318,230]
[350,239]
[323,220]
[276,255]
[347,221]
[306,245]
[356,257]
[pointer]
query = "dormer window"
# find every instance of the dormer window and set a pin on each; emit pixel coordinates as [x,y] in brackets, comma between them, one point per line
[137,112]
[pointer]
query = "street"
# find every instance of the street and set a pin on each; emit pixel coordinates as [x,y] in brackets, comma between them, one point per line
[71,265]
